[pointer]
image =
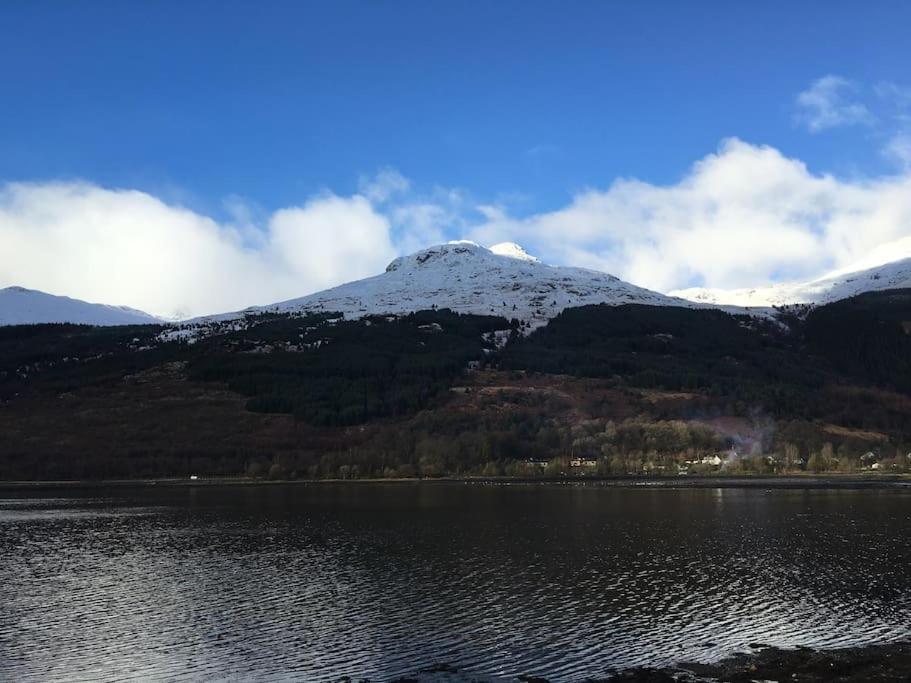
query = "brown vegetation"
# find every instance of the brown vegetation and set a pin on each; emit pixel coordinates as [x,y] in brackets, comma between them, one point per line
[159,423]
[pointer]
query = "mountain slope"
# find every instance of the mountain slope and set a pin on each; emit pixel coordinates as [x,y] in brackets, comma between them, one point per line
[20,306]
[467,278]
[636,388]
[895,275]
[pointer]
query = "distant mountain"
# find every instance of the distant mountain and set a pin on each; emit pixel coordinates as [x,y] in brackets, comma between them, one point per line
[468,278]
[895,275]
[20,306]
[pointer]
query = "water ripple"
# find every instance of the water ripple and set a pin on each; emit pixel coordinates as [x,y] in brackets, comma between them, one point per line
[316,583]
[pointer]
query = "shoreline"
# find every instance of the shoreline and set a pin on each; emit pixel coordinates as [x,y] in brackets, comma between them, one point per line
[875,662]
[785,481]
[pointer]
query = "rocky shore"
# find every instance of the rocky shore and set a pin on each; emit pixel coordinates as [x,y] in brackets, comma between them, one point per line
[891,662]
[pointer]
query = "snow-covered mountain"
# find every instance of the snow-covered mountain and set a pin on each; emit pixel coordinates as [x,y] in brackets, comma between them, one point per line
[20,306]
[503,280]
[465,277]
[895,275]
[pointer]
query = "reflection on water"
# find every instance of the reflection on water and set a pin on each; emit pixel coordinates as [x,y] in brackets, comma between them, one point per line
[320,581]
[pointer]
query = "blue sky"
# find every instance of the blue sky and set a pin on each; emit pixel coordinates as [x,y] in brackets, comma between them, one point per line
[277,100]
[520,106]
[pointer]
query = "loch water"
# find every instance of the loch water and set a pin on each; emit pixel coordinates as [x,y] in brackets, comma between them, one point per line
[378,580]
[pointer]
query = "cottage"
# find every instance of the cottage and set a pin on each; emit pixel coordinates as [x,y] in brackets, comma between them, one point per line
[869,461]
[583,462]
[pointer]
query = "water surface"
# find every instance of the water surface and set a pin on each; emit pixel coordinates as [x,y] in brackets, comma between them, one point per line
[315,582]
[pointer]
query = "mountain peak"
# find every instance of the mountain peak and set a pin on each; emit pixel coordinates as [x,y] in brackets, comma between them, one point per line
[450,253]
[465,277]
[455,253]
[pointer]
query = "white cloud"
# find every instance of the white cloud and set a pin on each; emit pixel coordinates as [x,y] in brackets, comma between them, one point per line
[827,104]
[898,148]
[896,95]
[744,216]
[384,185]
[124,246]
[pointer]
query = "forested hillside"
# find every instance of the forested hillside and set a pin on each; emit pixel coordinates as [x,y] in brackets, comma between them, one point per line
[610,390]
[867,337]
[335,372]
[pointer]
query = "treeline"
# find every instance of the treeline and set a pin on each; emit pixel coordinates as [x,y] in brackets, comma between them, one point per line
[441,443]
[866,337]
[65,357]
[333,372]
[675,349]
[753,363]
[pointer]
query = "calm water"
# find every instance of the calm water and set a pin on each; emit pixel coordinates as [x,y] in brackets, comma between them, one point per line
[316,582]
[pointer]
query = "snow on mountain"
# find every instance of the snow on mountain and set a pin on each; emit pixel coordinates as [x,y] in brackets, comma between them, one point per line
[895,275]
[465,277]
[513,250]
[20,306]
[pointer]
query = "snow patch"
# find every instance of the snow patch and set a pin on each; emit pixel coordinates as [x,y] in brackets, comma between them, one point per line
[513,250]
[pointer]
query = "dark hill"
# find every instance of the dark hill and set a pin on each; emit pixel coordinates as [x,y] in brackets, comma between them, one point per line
[631,388]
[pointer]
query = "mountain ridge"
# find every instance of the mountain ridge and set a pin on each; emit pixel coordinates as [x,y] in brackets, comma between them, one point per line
[463,276]
[502,280]
[824,290]
[22,306]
